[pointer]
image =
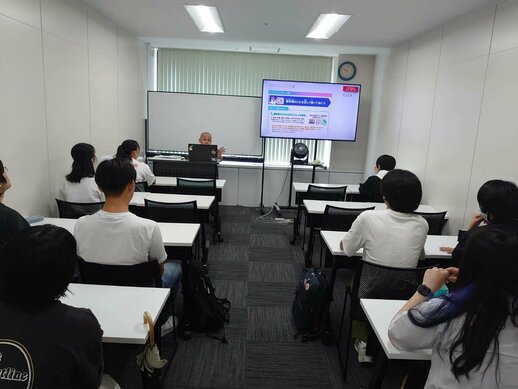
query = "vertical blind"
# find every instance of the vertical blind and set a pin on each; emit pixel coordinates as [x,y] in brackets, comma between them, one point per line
[241,74]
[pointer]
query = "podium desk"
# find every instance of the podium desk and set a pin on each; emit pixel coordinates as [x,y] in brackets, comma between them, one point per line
[183,168]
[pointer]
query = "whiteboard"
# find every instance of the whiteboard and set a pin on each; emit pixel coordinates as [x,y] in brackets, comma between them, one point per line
[177,119]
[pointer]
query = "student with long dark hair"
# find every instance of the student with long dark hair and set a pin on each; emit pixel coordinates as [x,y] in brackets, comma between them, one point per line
[130,149]
[498,202]
[473,331]
[80,186]
[45,343]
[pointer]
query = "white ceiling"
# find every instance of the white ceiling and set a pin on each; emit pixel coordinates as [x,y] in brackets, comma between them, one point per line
[375,24]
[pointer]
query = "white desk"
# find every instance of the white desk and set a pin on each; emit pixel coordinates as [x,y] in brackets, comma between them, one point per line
[303,187]
[119,309]
[171,181]
[203,202]
[380,314]
[173,234]
[317,207]
[431,246]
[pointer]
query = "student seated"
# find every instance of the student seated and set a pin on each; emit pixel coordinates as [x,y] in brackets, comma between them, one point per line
[45,343]
[10,220]
[115,236]
[391,237]
[80,186]
[130,150]
[370,189]
[472,331]
[206,139]
[498,202]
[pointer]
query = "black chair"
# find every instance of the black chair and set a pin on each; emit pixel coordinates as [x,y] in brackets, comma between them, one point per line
[184,212]
[205,187]
[316,192]
[68,210]
[376,282]
[339,219]
[141,187]
[435,221]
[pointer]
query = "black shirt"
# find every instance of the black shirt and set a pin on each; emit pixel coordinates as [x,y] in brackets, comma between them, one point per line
[10,223]
[370,190]
[58,348]
[458,252]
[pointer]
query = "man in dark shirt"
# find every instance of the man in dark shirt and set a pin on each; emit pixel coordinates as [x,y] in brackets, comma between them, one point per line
[370,189]
[10,220]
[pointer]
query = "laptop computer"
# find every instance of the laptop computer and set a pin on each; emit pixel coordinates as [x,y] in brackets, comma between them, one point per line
[202,153]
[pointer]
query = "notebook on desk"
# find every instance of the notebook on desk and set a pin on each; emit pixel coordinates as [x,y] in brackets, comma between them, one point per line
[202,153]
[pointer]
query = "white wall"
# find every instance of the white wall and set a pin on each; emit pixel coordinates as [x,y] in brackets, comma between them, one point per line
[67,75]
[447,108]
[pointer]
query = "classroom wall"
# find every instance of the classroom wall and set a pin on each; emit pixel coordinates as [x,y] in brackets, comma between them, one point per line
[447,108]
[67,75]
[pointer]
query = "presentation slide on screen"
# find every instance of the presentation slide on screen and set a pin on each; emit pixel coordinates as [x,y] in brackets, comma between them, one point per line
[309,110]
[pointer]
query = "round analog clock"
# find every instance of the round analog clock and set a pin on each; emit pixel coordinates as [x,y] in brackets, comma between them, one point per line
[347,70]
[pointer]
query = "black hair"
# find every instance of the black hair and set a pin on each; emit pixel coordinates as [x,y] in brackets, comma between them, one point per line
[126,148]
[83,166]
[114,175]
[386,162]
[499,199]
[36,266]
[2,170]
[486,293]
[402,190]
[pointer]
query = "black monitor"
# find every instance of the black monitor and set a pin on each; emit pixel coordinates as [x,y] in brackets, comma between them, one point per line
[202,153]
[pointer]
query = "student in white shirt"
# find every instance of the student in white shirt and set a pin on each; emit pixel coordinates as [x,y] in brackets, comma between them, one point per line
[472,331]
[115,236]
[390,237]
[80,186]
[130,149]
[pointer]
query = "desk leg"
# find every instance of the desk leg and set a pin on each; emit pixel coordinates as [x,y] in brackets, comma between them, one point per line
[379,370]
[308,258]
[296,223]
[218,224]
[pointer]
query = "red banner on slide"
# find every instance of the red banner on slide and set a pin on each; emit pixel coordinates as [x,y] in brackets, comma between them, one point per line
[347,88]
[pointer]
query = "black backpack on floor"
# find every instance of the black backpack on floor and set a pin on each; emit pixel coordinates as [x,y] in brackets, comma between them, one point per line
[311,306]
[207,312]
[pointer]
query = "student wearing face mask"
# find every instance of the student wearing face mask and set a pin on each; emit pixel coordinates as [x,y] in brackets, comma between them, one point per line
[498,202]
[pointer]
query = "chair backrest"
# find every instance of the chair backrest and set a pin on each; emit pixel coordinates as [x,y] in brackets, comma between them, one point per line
[141,187]
[435,221]
[145,274]
[196,187]
[386,282]
[340,219]
[316,192]
[68,210]
[185,212]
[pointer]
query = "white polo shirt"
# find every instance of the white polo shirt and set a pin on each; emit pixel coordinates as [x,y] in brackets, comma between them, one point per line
[144,173]
[388,238]
[118,239]
[85,191]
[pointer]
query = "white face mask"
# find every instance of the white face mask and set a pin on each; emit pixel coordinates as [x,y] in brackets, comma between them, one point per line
[485,216]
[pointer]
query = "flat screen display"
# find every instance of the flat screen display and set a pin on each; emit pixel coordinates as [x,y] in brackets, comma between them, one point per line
[309,110]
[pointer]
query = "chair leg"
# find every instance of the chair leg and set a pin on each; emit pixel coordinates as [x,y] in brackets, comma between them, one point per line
[343,364]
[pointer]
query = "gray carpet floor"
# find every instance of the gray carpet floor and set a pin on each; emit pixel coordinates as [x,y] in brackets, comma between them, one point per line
[256,268]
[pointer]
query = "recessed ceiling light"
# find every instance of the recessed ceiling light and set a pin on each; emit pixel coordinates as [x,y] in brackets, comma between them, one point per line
[326,25]
[206,18]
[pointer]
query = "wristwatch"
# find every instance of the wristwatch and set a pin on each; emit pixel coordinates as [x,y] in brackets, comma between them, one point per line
[424,290]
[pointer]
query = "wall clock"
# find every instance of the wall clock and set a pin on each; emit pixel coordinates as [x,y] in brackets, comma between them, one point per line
[347,71]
